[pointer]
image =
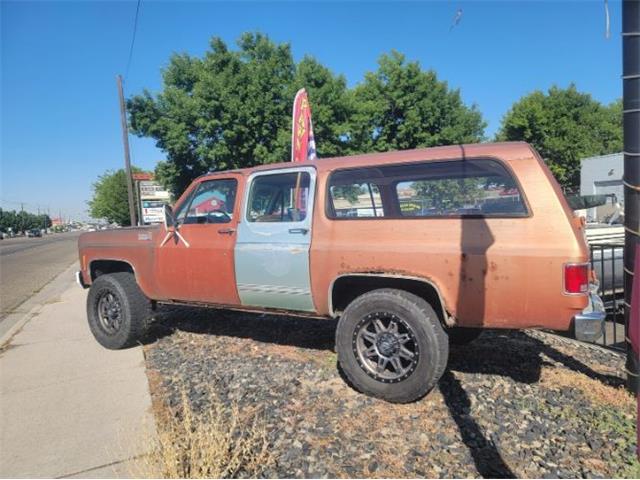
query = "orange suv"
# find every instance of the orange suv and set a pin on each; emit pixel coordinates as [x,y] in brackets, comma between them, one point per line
[411,250]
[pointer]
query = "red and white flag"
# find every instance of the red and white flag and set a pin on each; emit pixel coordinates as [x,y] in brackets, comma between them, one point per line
[303,145]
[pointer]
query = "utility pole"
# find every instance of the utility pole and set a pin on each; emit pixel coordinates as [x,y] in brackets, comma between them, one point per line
[631,178]
[127,159]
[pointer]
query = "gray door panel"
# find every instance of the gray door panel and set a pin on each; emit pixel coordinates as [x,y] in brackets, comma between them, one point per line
[272,256]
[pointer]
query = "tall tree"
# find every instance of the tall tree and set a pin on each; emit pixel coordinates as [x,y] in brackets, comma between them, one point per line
[564,125]
[232,109]
[331,106]
[401,106]
[110,200]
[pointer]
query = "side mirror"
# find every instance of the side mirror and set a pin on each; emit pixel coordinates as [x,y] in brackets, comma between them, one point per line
[169,219]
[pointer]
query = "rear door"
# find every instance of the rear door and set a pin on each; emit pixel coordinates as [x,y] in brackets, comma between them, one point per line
[274,236]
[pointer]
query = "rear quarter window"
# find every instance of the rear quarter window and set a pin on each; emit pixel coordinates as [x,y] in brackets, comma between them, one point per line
[458,188]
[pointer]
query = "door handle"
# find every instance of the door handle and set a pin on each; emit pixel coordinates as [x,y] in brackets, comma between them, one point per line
[302,231]
[227,231]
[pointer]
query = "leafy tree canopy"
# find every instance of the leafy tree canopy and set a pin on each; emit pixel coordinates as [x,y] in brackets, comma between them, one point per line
[232,109]
[400,106]
[564,125]
[110,199]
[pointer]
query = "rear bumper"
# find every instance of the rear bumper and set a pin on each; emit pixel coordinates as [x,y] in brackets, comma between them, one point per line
[80,280]
[588,326]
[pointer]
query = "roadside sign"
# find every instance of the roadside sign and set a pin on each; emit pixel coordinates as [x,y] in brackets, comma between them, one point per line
[153,197]
[142,176]
[150,190]
[152,211]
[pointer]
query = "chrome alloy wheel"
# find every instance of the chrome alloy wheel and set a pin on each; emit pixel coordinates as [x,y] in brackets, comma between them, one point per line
[385,347]
[110,312]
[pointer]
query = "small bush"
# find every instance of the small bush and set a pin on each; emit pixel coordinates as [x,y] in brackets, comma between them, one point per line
[218,442]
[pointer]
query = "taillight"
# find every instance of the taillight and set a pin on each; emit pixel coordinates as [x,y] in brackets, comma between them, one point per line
[576,278]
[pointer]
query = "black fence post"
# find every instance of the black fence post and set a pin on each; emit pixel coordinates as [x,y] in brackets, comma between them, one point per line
[631,129]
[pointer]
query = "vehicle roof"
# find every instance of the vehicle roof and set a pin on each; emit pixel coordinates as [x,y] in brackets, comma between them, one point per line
[502,150]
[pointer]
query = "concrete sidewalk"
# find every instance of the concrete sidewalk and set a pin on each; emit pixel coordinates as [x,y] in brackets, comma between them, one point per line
[69,407]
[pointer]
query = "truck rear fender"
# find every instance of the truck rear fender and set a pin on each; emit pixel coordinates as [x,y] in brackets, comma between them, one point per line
[345,288]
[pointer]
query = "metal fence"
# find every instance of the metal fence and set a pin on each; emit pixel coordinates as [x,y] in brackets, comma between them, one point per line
[607,262]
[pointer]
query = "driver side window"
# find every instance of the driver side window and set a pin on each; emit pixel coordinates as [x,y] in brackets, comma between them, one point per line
[212,202]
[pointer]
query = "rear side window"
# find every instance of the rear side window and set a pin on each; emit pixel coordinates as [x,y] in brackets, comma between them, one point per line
[479,187]
[357,200]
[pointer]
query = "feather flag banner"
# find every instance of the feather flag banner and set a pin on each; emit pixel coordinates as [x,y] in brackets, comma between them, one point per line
[303,145]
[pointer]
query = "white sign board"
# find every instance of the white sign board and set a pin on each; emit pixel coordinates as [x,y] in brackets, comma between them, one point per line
[150,190]
[152,200]
[152,211]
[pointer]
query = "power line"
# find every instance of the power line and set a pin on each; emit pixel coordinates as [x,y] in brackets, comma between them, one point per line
[133,38]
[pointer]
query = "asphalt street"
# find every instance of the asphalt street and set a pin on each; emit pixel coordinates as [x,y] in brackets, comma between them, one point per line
[28,264]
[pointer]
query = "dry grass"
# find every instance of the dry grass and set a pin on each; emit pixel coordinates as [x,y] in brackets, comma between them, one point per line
[594,390]
[220,442]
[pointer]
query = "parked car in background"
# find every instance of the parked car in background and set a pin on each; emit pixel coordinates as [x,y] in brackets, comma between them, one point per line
[410,251]
[34,232]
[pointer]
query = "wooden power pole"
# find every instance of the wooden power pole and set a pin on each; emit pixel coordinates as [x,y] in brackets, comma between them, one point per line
[127,159]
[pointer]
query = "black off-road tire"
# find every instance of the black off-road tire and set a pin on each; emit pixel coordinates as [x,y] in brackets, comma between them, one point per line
[429,337]
[462,335]
[135,310]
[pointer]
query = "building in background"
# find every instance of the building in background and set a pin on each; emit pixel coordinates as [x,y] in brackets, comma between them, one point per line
[602,175]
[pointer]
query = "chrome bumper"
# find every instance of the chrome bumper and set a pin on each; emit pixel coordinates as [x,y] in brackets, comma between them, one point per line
[588,326]
[80,280]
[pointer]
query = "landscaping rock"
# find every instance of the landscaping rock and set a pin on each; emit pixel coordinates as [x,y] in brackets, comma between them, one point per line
[526,404]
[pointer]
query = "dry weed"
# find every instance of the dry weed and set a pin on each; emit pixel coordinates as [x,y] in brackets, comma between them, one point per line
[594,390]
[220,442]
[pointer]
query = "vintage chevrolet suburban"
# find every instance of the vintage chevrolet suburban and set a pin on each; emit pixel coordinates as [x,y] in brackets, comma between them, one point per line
[411,250]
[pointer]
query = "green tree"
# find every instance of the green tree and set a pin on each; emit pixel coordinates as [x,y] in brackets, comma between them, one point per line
[331,105]
[21,221]
[400,106]
[110,198]
[232,109]
[564,125]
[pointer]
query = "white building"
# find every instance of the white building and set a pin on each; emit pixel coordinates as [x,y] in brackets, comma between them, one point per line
[602,175]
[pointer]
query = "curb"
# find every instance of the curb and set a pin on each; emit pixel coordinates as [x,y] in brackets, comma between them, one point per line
[34,304]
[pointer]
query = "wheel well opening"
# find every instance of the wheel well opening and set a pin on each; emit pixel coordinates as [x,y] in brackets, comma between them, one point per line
[348,288]
[102,267]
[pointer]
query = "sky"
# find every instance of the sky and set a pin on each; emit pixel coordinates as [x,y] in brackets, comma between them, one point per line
[60,124]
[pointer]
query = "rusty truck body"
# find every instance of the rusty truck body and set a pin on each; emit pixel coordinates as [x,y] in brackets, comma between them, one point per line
[411,250]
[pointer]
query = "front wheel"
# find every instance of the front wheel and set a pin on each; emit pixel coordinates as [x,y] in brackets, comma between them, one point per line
[117,310]
[391,345]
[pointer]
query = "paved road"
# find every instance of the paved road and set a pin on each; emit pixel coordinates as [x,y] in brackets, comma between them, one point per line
[28,264]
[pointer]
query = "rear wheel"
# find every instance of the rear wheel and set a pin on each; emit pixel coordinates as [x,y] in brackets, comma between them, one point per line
[117,310]
[391,345]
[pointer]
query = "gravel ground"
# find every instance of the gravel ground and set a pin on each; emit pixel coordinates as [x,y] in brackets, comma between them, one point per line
[511,404]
